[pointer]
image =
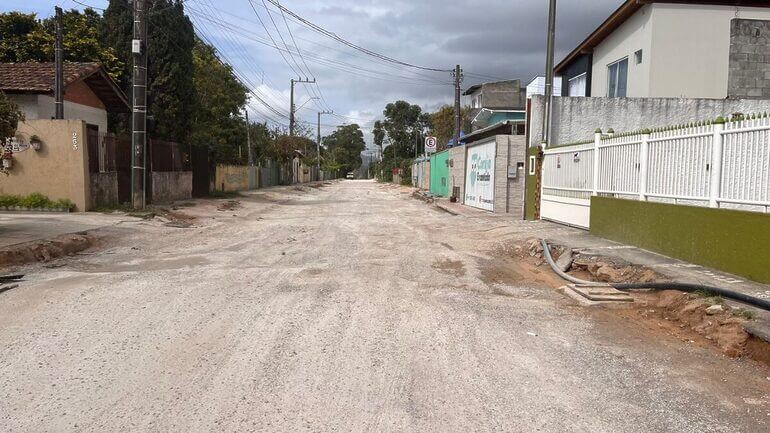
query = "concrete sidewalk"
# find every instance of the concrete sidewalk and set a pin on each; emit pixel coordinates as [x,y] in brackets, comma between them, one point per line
[20,227]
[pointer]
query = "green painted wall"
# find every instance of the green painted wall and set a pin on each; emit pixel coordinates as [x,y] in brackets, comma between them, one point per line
[529,202]
[732,241]
[439,174]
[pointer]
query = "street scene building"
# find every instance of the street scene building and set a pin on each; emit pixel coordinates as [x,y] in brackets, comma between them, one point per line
[338,216]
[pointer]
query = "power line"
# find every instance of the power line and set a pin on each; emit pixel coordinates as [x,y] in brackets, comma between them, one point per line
[334,36]
[336,64]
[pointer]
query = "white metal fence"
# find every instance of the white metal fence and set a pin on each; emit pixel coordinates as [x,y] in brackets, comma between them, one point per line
[718,165]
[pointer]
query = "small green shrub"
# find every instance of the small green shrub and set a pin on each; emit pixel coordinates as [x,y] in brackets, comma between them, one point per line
[9,200]
[64,203]
[36,200]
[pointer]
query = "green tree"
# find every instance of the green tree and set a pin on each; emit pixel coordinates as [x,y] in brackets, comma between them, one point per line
[25,39]
[344,147]
[15,30]
[220,99]
[116,33]
[10,116]
[172,98]
[443,124]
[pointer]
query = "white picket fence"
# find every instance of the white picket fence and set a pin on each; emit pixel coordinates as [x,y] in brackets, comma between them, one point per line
[717,165]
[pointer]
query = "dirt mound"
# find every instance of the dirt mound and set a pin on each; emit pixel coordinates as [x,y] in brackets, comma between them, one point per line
[705,315]
[229,205]
[46,250]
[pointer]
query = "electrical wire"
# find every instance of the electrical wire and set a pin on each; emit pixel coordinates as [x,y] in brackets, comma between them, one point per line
[338,38]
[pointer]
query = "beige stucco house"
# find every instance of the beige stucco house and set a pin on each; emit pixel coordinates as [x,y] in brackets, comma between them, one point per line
[75,160]
[667,48]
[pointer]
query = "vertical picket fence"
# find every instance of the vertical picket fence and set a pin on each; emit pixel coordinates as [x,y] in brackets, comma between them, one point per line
[721,165]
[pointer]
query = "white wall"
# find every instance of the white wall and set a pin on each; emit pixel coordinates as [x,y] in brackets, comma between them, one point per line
[27,104]
[42,107]
[692,49]
[632,35]
[685,48]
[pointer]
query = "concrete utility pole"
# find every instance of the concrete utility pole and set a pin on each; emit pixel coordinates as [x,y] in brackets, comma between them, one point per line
[139,110]
[250,153]
[549,73]
[291,108]
[458,76]
[318,143]
[59,65]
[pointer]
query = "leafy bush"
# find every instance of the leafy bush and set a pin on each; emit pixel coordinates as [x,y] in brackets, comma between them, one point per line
[35,201]
[64,203]
[9,200]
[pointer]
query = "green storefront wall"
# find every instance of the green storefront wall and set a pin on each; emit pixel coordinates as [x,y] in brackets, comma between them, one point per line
[733,241]
[439,174]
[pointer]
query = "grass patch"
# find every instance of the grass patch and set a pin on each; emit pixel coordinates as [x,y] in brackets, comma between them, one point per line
[709,296]
[746,314]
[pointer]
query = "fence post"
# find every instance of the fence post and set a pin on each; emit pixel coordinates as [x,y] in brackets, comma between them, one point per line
[715,185]
[595,180]
[644,155]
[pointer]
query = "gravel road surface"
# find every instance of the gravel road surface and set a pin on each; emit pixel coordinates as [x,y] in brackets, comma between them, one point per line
[346,308]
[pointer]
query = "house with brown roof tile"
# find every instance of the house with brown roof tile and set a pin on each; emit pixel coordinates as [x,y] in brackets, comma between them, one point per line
[89,92]
[71,158]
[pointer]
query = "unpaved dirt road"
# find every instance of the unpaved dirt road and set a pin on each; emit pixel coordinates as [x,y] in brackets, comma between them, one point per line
[346,308]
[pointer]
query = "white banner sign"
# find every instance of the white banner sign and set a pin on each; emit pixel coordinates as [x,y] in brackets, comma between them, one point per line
[480,176]
[430,144]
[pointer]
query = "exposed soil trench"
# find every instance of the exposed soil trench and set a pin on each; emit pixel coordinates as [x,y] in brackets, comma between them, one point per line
[699,318]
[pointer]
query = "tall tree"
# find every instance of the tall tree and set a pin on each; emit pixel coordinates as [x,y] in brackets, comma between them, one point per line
[443,124]
[344,147]
[25,39]
[220,101]
[171,99]
[402,124]
[116,32]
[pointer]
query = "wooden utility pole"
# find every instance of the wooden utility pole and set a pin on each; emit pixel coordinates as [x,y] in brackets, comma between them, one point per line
[139,109]
[291,108]
[458,76]
[59,66]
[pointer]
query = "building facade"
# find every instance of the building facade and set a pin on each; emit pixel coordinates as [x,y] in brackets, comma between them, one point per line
[656,48]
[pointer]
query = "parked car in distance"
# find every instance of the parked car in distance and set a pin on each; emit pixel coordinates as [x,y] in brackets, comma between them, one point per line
[350,175]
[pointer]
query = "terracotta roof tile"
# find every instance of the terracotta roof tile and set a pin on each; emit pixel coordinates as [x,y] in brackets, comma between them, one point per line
[39,77]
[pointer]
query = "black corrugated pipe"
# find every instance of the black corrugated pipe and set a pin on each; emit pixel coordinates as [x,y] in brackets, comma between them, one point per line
[684,287]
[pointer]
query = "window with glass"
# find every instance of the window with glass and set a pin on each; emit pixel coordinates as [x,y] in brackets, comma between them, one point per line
[577,85]
[617,77]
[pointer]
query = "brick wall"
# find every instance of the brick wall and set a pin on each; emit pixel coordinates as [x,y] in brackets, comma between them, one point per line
[749,75]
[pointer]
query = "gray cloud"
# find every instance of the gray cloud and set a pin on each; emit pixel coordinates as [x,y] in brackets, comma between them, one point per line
[498,38]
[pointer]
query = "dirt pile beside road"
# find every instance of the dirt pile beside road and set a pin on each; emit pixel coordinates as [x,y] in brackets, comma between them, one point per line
[45,250]
[692,317]
[705,315]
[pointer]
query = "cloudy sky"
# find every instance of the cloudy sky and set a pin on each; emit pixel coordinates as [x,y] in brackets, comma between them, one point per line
[493,39]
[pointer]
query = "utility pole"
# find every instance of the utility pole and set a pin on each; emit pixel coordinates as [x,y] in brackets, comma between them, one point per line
[59,65]
[549,73]
[318,143]
[291,108]
[248,140]
[458,76]
[139,110]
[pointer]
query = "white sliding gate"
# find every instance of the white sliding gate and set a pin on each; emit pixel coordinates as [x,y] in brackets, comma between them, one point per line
[723,165]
